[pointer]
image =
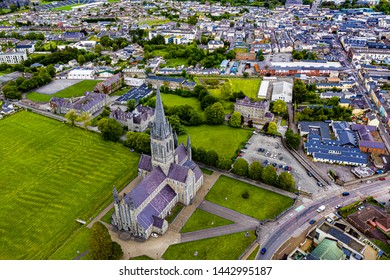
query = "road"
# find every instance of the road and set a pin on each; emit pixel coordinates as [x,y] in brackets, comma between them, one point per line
[273,236]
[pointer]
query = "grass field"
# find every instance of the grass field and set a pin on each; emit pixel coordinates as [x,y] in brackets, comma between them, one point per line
[253,255]
[121,91]
[65,8]
[171,100]
[261,204]
[53,174]
[206,171]
[107,218]
[151,22]
[226,247]
[383,246]
[158,53]
[249,86]
[201,219]
[72,91]
[77,242]
[173,62]
[224,139]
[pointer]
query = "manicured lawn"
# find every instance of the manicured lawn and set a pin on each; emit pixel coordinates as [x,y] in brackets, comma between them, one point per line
[53,174]
[249,86]
[121,91]
[174,212]
[226,247]
[201,219]
[65,8]
[383,246]
[78,241]
[107,218]
[73,91]
[283,122]
[253,255]
[151,22]
[224,139]
[158,53]
[241,50]
[261,204]
[206,171]
[173,62]
[171,100]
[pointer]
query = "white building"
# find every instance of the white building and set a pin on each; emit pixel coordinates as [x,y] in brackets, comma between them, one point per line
[81,74]
[13,57]
[283,91]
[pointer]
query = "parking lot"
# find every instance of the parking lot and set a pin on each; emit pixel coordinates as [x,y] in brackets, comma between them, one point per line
[275,153]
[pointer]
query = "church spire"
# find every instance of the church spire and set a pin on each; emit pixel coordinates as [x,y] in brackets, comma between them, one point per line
[160,128]
[189,149]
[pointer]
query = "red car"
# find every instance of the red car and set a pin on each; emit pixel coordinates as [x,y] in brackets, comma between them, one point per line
[239,155]
[289,168]
[382,178]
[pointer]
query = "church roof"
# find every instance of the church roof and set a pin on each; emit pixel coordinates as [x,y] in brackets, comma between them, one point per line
[158,222]
[144,189]
[156,206]
[145,163]
[194,167]
[178,172]
[181,152]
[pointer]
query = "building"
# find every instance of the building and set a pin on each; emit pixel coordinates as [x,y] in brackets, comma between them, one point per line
[110,85]
[138,120]
[370,218]
[255,111]
[135,93]
[170,82]
[91,102]
[367,142]
[282,91]
[25,46]
[81,74]
[13,57]
[309,68]
[213,45]
[169,176]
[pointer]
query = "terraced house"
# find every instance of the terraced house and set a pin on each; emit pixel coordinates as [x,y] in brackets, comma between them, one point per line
[110,85]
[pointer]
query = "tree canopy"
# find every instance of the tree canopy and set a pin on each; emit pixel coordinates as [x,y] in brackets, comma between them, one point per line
[240,167]
[269,175]
[255,170]
[215,114]
[110,129]
[101,245]
[235,119]
[279,107]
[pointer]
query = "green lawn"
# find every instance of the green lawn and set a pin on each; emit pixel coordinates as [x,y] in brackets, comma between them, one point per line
[72,91]
[383,246]
[201,219]
[226,247]
[53,174]
[77,242]
[174,212]
[224,139]
[107,218]
[253,255]
[142,258]
[151,22]
[173,62]
[158,53]
[283,122]
[249,86]
[121,91]
[261,204]
[206,171]
[65,8]
[171,100]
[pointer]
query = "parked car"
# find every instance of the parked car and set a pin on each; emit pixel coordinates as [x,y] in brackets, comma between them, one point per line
[286,167]
[360,208]
[263,251]
[309,173]
[274,164]
[243,151]
[319,184]
[245,147]
[280,165]
[280,158]
[312,221]
[249,143]
[289,168]
[239,155]
[265,162]
[382,178]
[153,234]
[338,206]
[345,193]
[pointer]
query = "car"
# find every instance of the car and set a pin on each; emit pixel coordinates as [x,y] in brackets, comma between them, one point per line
[312,221]
[383,203]
[153,234]
[280,165]
[245,147]
[319,184]
[329,220]
[243,151]
[263,250]
[382,178]
[274,164]
[289,168]
[360,208]
[260,149]
[274,156]
[309,173]
[345,193]
[280,158]
[338,206]
[265,162]
[239,155]
[249,143]
[286,167]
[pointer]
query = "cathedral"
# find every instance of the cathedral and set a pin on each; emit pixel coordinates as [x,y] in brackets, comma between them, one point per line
[169,176]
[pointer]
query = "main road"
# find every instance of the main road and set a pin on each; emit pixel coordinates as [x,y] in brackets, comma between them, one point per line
[275,234]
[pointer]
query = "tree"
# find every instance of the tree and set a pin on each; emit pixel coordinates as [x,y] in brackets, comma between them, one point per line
[261,56]
[110,129]
[142,144]
[71,116]
[131,105]
[240,167]
[279,107]
[255,170]
[224,162]
[101,245]
[231,54]
[175,122]
[51,70]
[286,181]
[211,158]
[13,7]
[86,118]
[207,100]
[245,74]
[293,140]
[299,91]
[215,114]
[81,59]
[268,175]
[235,119]
[272,128]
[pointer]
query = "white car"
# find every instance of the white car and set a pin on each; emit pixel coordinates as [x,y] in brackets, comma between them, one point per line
[153,234]
[338,206]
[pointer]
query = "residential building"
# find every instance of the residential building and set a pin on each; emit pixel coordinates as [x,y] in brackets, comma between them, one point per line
[370,218]
[255,111]
[25,46]
[110,85]
[13,57]
[169,176]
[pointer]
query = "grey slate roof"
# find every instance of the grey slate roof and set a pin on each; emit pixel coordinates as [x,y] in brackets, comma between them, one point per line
[178,172]
[145,163]
[194,167]
[181,152]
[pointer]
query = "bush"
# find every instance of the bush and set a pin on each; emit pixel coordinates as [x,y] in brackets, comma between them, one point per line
[245,195]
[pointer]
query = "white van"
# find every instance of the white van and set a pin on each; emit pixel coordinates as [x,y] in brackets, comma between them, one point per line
[321,208]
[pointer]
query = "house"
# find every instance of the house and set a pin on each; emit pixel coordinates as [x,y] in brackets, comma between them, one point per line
[81,74]
[370,218]
[138,120]
[255,111]
[170,82]
[213,44]
[282,91]
[91,102]
[110,85]
[73,36]
[13,57]
[25,46]
[169,176]
[372,119]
